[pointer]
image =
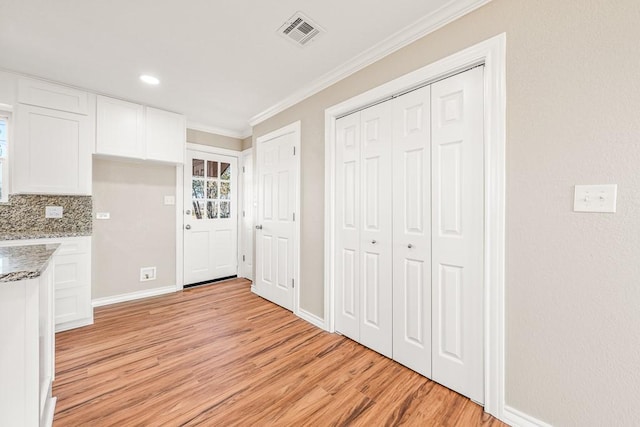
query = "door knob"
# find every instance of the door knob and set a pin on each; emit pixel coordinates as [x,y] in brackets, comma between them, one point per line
[258,227]
[409,245]
[188,212]
[188,227]
[373,242]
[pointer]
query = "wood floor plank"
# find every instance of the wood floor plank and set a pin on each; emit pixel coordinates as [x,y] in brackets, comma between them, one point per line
[219,355]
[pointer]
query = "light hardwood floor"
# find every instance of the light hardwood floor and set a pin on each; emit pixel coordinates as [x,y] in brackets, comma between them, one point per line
[218,355]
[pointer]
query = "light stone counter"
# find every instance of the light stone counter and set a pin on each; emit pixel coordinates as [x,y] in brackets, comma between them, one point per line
[24,262]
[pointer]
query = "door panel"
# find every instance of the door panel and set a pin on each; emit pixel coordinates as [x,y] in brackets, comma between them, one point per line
[211,222]
[458,219]
[411,231]
[277,175]
[376,234]
[347,218]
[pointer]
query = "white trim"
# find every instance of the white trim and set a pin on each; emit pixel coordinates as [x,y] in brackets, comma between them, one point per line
[241,249]
[516,418]
[437,19]
[296,129]
[132,296]
[213,150]
[219,131]
[180,226]
[6,107]
[311,318]
[491,53]
[75,324]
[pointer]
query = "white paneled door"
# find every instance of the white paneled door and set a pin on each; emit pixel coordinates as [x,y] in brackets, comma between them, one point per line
[412,230]
[376,228]
[409,230]
[211,223]
[457,229]
[277,171]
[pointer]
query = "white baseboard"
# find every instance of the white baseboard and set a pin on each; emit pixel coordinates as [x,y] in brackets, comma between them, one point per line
[99,302]
[312,318]
[75,324]
[516,418]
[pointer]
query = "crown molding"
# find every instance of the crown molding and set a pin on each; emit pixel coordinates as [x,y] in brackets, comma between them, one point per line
[425,25]
[219,131]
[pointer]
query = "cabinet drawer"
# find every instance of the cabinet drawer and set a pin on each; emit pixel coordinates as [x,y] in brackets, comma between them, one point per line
[74,245]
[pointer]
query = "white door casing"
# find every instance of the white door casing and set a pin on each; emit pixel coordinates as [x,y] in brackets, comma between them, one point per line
[210,216]
[247,221]
[412,230]
[458,232]
[277,168]
[376,228]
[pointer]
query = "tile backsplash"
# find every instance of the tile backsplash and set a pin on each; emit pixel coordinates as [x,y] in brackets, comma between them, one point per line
[26,213]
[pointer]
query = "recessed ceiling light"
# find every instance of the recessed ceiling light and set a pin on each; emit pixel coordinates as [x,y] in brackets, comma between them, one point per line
[149,79]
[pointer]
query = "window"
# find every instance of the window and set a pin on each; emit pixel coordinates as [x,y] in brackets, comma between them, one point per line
[4,161]
[211,189]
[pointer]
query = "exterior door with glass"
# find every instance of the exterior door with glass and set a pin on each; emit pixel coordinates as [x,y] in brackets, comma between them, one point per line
[211,221]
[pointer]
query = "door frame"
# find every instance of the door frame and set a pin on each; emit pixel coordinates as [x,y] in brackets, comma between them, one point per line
[492,54]
[241,249]
[295,129]
[180,206]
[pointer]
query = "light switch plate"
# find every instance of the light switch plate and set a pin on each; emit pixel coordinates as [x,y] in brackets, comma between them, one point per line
[53,212]
[595,198]
[103,215]
[170,200]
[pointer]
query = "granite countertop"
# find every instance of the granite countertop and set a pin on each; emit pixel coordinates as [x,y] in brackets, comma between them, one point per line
[26,235]
[24,262]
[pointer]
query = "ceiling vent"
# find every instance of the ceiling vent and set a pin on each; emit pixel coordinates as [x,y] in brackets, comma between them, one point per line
[300,29]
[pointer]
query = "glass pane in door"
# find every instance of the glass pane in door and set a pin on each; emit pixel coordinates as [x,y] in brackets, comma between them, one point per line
[212,169]
[197,168]
[198,189]
[225,171]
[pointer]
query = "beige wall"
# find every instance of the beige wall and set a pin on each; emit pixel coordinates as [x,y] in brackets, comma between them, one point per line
[141,231]
[573,117]
[214,140]
[247,143]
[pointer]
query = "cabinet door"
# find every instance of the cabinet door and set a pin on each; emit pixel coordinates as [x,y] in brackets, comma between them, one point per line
[73,288]
[120,128]
[165,136]
[52,153]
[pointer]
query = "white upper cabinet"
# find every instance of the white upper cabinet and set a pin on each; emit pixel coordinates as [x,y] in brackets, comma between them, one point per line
[129,130]
[165,135]
[55,97]
[52,152]
[120,128]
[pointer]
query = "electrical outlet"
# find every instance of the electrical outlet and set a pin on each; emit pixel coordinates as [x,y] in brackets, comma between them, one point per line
[147,273]
[103,215]
[53,212]
[169,200]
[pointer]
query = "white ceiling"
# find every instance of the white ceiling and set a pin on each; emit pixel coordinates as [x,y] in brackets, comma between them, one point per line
[220,63]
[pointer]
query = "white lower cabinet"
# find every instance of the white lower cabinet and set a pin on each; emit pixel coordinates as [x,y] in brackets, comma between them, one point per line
[71,278]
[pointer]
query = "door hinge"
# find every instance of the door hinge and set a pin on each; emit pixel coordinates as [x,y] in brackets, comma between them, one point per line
[242,258]
[294,216]
[294,151]
[243,214]
[243,169]
[293,283]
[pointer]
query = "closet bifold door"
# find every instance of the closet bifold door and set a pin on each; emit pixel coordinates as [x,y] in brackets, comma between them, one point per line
[458,236]
[412,230]
[347,223]
[376,200]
